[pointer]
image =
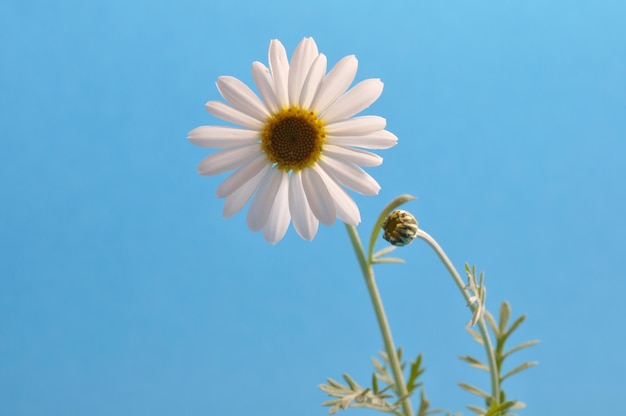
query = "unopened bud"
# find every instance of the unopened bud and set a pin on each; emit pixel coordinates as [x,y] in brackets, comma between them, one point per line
[400,228]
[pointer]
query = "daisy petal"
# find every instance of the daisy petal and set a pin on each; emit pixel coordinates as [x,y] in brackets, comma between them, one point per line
[335,83]
[356,156]
[356,126]
[279,67]
[261,205]
[278,222]
[238,199]
[380,140]
[265,85]
[317,195]
[347,210]
[218,136]
[303,219]
[312,81]
[350,175]
[232,115]
[225,160]
[242,97]
[357,99]
[241,176]
[301,61]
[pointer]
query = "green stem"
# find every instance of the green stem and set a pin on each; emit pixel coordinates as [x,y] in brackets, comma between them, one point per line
[493,370]
[368,274]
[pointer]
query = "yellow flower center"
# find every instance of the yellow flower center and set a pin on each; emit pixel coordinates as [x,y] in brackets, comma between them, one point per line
[293,138]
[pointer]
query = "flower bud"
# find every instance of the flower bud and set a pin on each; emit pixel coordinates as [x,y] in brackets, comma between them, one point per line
[400,228]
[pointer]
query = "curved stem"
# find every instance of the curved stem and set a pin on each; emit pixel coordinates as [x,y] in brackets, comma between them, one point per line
[368,274]
[493,369]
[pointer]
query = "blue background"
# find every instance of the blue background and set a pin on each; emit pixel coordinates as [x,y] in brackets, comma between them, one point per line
[123,291]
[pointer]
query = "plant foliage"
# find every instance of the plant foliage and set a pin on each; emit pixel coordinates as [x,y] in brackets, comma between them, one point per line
[501,333]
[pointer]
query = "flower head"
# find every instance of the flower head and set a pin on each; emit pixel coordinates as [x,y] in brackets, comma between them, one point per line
[299,144]
[400,228]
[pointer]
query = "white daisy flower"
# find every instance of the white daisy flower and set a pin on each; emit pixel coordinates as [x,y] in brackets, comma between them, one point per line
[298,146]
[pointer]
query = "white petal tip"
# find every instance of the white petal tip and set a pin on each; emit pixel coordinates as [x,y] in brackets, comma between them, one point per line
[272,242]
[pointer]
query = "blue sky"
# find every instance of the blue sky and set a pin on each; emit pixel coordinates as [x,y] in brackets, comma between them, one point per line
[123,291]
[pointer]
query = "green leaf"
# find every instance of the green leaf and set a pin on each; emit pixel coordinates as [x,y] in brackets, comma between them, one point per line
[468,271]
[424,404]
[382,373]
[414,373]
[491,322]
[474,362]
[520,347]
[384,251]
[505,313]
[377,365]
[394,260]
[353,385]
[354,396]
[475,335]
[495,410]
[476,409]
[519,368]
[518,405]
[334,383]
[399,354]
[325,388]
[514,326]
[375,383]
[474,390]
